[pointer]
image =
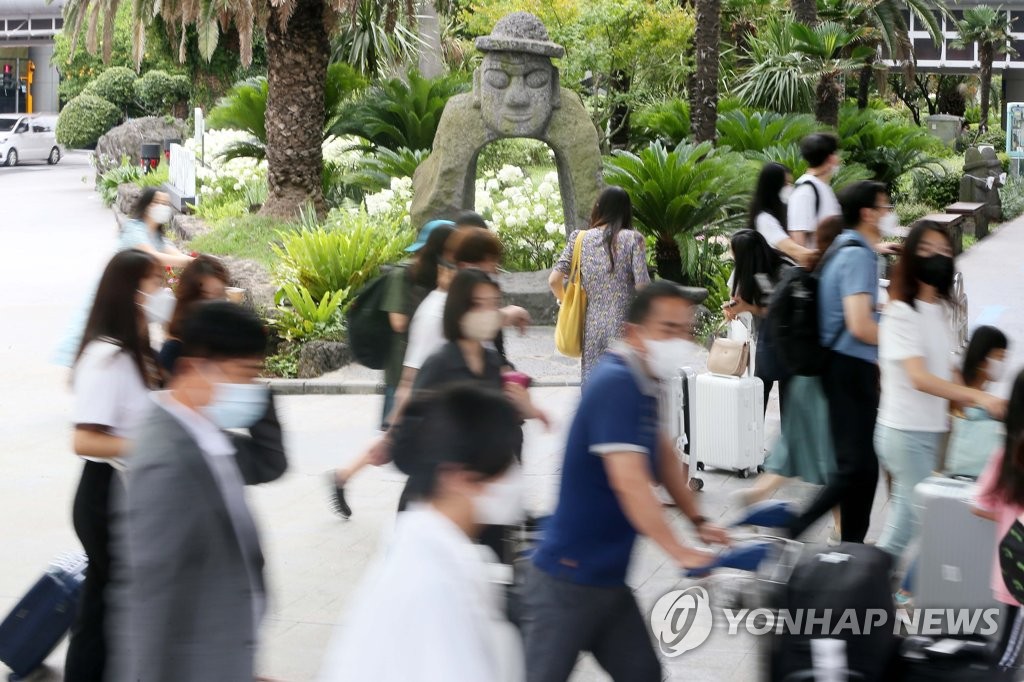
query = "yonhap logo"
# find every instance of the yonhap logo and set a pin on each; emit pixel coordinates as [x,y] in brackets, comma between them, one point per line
[681,620]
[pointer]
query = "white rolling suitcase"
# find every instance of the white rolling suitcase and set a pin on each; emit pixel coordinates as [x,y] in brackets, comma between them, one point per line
[954,566]
[730,425]
[679,408]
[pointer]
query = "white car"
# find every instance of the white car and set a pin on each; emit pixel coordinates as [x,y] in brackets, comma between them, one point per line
[29,137]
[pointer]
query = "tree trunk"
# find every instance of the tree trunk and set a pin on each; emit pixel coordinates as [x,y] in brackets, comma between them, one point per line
[619,123]
[297,71]
[704,107]
[987,56]
[864,85]
[669,260]
[431,62]
[805,11]
[826,108]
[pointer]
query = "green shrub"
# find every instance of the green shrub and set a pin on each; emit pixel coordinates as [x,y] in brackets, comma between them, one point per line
[84,120]
[754,131]
[909,212]
[116,85]
[157,91]
[341,255]
[247,236]
[375,170]
[939,187]
[1012,196]
[399,113]
[668,122]
[302,318]
[112,179]
[887,148]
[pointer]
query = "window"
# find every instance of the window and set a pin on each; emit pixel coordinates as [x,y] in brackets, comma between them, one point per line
[22,128]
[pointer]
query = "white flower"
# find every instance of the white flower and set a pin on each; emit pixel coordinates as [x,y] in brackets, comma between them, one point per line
[540,210]
[551,178]
[509,174]
[511,220]
[521,200]
[524,214]
[497,219]
[492,185]
[549,245]
[551,227]
[545,189]
[503,205]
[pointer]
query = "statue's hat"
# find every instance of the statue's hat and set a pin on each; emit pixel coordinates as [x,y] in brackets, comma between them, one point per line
[520,32]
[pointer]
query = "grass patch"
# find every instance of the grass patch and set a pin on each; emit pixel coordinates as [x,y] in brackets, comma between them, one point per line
[246,237]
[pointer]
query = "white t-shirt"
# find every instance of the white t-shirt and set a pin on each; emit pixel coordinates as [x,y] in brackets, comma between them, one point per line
[903,333]
[801,215]
[109,390]
[426,331]
[770,228]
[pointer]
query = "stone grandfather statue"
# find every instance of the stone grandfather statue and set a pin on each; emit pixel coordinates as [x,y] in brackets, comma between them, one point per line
[983,176]
[516,93]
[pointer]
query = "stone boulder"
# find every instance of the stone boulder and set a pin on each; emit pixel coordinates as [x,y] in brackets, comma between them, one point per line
[254,278]
[127,195]
[125,139]
[319,357]
[530,290]
[187,227]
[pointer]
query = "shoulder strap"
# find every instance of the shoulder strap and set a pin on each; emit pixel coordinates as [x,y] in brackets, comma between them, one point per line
[832,251]
[817,197]
[575,273]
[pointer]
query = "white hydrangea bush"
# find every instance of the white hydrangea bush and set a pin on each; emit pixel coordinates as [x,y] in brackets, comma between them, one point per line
[526,215]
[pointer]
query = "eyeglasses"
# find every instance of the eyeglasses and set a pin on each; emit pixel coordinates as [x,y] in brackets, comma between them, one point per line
[887,207]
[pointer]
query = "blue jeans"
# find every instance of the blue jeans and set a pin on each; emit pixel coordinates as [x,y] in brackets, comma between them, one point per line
[909,457]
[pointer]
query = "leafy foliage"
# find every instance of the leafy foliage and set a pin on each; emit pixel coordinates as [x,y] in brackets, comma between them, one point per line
[302,318]
[754,131]
[375,170]
[938,186]
[84,120]
[781,78]
[668,122]
[790,157]
[397,114]
[157,91]
[370,46]
[513,151]
[108,183]
[116,85]
[688,190]
[340,256]
[1012,196]
[887,148]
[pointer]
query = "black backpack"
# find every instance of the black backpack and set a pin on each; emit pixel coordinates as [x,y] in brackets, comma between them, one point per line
[793,314]
[369,329]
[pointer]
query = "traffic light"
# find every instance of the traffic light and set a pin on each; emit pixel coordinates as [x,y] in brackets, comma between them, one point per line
[8,77]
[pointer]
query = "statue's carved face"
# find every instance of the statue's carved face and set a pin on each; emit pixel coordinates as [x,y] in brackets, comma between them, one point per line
[517,93]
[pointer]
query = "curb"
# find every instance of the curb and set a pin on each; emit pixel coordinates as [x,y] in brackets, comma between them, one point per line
[317,387]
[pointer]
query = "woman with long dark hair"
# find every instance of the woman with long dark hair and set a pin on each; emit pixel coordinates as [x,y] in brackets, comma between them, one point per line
[204,279]
[613,265]
[915,351]
[113,373]
[768,212]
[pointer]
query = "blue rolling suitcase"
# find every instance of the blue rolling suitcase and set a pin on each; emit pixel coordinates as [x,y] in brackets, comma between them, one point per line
[41,619]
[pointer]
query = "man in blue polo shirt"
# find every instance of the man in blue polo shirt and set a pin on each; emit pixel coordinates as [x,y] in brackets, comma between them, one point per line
[576,595]
[848,315]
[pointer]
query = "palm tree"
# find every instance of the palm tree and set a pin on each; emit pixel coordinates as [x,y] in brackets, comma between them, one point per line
[990,29]
[704,98]
[834,51]
[805,11]
[297,53]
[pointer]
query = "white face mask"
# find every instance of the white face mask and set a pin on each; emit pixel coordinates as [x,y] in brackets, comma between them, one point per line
[665,357]
[481,325]
[159,213]
[237,406]
[159,307]
[995,369]
[785,193]
[501,501]
[888,223]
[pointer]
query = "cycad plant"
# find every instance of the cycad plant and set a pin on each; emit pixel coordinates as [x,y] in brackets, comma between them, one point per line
[886,148]
[990,29]
[751,131]
[375,171]
[668,122]
[682,192]
[789,156]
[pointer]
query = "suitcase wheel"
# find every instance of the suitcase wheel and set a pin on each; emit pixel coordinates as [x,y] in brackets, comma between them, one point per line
[760,468]
[744,473]
[696,484]
[700,466]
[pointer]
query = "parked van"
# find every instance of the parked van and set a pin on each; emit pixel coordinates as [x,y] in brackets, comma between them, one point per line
[28,137]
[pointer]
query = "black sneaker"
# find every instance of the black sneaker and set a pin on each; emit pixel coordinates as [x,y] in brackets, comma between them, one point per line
[338,503]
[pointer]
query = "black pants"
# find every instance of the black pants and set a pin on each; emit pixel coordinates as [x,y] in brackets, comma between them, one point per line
[851,386]
[87,647]
[783,383]
[562,619]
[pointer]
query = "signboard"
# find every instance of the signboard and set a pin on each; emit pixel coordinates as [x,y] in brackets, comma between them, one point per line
[182,174]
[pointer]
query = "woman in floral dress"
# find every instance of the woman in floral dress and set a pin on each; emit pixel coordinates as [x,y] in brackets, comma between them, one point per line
[613,266]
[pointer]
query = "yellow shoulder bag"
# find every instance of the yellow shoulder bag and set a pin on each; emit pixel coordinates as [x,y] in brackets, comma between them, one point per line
[571,316]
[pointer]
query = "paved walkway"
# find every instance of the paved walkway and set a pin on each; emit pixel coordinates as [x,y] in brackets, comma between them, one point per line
[58,236]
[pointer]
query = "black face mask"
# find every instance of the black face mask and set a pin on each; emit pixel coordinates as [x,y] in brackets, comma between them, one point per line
[937,271]
[1011,560]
